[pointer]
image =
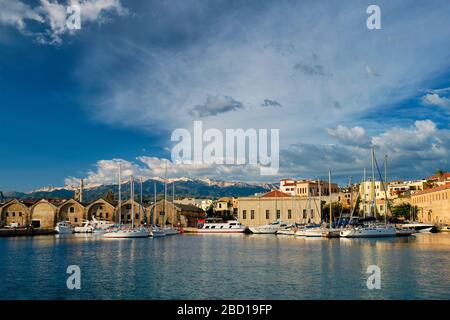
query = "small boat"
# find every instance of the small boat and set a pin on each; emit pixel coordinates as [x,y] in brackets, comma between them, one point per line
[127,233]
[269,228]
[420,227]
[86,228]
[215,226]
[101,224]
[444,228]
[63,228]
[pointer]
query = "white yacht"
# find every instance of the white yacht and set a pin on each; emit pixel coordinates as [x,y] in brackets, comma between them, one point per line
[127,233]
[216,226]
[63,228]
[269,228]
[101,224]
[419,227]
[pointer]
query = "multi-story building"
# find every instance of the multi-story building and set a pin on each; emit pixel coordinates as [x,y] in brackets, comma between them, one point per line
[305,188]
[433,205]
[439,179]
[405,188]
[266,208]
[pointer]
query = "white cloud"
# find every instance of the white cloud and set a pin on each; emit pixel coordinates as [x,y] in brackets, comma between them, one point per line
[433,99]
[352,136]
[51,14]
[15,13]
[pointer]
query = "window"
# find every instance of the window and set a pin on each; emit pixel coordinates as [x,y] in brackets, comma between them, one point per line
[13,214]
[278,214]
[107,215]
[122,217]
[76,220]
[129,216]
[267,214]
[312,212]
[136,216]
[244,214]
[252,214]
[304,213]
[71,209]
[101,207]
[20,214]
[289,214]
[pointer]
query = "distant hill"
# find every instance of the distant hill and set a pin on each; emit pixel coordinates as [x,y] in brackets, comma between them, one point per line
[183,188]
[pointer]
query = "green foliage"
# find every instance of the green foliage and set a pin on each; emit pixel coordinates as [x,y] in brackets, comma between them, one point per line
[402,210]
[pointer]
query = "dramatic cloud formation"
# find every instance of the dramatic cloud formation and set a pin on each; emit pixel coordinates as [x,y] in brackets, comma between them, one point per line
[52,15]
[215,105]
[423,147]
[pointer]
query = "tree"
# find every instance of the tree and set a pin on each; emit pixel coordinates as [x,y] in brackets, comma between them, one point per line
[402,210]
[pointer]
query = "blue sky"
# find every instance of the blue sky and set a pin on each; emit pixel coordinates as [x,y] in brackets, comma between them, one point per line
[74,103]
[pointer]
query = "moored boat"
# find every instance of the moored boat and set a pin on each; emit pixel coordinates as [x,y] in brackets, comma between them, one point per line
[214,226]
[420,227]
[269,228]
[371,231]
[64,228]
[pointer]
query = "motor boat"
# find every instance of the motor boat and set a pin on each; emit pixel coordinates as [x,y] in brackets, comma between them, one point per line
[288,231]
[218,226]
[269,228]
[420,227]
[101,224]
[64,228]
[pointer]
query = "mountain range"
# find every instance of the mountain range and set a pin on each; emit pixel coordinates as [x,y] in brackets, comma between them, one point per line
[184,187]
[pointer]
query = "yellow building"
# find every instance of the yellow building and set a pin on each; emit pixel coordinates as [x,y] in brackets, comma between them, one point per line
[71,211]
[167,212]
[433,204]
[15,212]
[102,210]
[265,209]
[43,214]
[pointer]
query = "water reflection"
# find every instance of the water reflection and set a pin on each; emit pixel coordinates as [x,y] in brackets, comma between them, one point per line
[225,267]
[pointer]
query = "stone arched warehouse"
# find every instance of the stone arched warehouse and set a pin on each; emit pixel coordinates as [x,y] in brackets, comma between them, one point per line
[45,213]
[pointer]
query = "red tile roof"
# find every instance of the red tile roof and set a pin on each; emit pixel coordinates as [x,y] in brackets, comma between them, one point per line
[440,188]
[445,175]
[275,194]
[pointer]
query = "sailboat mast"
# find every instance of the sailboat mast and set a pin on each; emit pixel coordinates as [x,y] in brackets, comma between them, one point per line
[329,193]
[173,202]
[120,194]
[373,183]
[154,205]
[364,190]
[320,200]
[141,203]
[351,197]
[132,200]
[385,190]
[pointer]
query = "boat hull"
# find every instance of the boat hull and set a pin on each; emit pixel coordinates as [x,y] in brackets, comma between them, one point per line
[240,230]
[368,233]
[126,234]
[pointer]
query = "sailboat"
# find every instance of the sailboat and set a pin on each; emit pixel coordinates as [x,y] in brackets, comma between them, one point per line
[316,230]
[155,231]
[131,232]
[373,230]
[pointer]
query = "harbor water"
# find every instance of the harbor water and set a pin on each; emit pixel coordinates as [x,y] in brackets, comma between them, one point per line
[225,267]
